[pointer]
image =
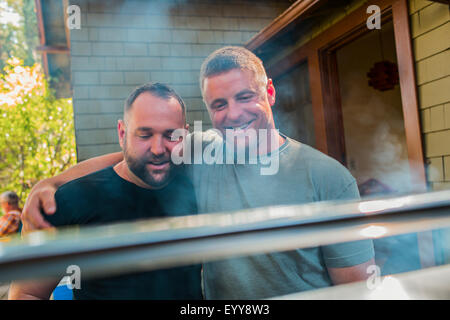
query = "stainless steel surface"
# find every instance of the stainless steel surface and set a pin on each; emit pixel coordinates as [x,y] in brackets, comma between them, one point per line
[432,284]
[159,243]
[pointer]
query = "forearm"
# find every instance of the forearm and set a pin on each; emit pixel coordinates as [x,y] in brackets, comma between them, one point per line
[350,274]
[42,195]
[85,167]
[18,294]
[32,290]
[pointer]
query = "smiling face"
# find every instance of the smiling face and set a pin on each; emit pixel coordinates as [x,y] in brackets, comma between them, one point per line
[146,139]
[236,101]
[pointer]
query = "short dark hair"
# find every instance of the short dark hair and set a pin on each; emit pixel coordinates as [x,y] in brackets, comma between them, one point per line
[10,197]
[156,89]
[229,58]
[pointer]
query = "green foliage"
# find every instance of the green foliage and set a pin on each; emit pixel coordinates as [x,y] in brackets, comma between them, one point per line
[19,40]
[36,129]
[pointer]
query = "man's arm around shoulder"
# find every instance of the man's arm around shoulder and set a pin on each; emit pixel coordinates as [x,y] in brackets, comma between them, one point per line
[42,195]
[32,290]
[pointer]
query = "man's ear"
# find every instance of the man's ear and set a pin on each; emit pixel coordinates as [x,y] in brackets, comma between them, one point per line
[121,132]
[271,93]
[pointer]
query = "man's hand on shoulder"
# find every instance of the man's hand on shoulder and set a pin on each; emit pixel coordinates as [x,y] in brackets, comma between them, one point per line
[41,199]
[42,196]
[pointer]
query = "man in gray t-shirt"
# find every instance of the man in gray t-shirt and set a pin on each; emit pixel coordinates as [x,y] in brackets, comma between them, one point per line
[305,175]
[239,98]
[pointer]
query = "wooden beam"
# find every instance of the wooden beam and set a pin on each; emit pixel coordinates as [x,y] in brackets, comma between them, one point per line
[405,60]
[315,84]
[40,22]
[277,69]
[441,1]
[281,22]
[53,49]
[352,26]
[42,41]
[334,123]
[65,5]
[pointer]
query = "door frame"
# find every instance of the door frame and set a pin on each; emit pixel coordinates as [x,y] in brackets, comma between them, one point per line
[320,54]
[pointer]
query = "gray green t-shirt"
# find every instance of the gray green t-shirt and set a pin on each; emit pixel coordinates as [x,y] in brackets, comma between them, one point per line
[304,175]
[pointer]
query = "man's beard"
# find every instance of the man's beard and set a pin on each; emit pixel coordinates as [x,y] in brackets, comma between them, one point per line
[139,168]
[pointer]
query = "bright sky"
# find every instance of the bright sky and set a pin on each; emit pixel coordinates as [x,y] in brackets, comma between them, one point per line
[7,15]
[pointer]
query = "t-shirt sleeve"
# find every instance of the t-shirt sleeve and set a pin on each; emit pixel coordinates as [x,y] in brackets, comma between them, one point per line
[348,254]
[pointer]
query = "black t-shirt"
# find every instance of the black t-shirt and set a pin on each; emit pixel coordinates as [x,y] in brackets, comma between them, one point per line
[104,197]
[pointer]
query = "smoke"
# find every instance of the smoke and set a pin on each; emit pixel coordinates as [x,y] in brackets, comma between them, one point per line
[375,138]
[389,159]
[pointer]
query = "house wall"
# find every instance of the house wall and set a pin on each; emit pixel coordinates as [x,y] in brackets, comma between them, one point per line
[430,28]
[122,44]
